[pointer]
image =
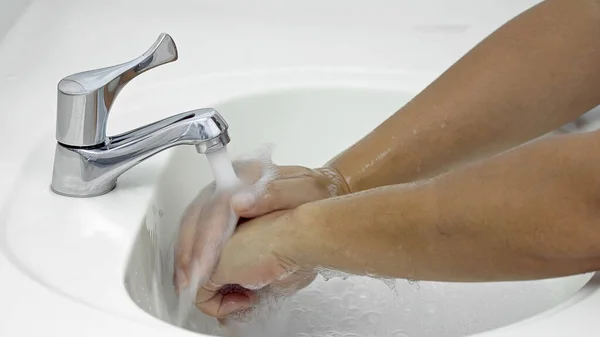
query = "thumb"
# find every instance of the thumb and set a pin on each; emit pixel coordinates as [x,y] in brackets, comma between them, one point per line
[245,201]
[278,195]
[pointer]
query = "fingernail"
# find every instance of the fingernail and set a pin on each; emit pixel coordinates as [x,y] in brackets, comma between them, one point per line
[243,200]
[181,279]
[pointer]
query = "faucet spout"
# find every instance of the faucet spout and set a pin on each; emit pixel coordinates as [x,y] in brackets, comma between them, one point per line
[93,171]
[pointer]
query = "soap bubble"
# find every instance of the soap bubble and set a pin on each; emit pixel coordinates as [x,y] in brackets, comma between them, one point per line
[400,333]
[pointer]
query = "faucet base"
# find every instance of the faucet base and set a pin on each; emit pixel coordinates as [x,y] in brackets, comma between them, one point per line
[97,193]
[74,175]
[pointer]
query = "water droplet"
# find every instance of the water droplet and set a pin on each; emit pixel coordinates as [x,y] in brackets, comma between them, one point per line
[391,283]
[349,323]
[354,312]
[400,333]
[335,302]
[350,300]
[371,318]
[297,311]
[414,282]
[430,308]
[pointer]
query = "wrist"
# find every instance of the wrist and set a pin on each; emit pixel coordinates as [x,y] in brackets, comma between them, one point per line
[295,237]
[336,182]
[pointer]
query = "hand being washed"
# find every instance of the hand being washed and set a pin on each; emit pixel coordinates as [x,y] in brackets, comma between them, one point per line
[268,188]
[253,258]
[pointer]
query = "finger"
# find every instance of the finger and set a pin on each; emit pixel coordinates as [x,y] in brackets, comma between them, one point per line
[214,227]
[251,171]
[211,306]
[280,194]
[222,303]
[294,283]
[232,303]
[221,306]
[185,240]
[247,262]
[259,180]
[247,197]
[207,291]
[293,171]
[248,171]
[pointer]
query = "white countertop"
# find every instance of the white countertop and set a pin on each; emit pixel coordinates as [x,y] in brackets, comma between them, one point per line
[55,38]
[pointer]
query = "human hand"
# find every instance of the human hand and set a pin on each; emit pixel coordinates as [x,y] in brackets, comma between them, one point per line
[256,256]
[209,221]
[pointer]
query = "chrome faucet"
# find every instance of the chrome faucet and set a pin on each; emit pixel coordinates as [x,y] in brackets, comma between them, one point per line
[87,163]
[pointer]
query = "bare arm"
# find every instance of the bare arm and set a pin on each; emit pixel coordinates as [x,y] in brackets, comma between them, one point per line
[536,73]
[529,213]
[532,212]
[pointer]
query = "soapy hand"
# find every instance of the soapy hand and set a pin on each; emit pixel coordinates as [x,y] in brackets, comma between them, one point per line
[207,222]
[252,258]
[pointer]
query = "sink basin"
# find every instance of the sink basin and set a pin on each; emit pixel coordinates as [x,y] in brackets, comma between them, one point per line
[330,118]
[99,267]
[109,256]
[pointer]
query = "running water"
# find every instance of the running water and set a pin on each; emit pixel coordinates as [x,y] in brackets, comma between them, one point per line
[225,179]
[222,168]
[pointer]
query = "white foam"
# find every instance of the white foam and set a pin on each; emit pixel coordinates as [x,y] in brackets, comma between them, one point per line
[329,274]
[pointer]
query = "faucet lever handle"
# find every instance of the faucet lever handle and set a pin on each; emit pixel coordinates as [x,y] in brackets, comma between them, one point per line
[85,98]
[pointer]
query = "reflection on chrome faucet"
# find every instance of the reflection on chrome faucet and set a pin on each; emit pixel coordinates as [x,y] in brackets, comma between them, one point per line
[87,162]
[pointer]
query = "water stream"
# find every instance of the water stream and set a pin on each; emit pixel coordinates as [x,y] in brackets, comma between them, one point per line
[225,179]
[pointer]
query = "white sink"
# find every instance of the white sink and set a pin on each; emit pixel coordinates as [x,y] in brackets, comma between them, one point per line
[95,258]
[358,306]
[65,263]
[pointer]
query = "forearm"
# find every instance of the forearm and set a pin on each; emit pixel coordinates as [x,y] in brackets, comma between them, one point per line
[529,213]
[533,75]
